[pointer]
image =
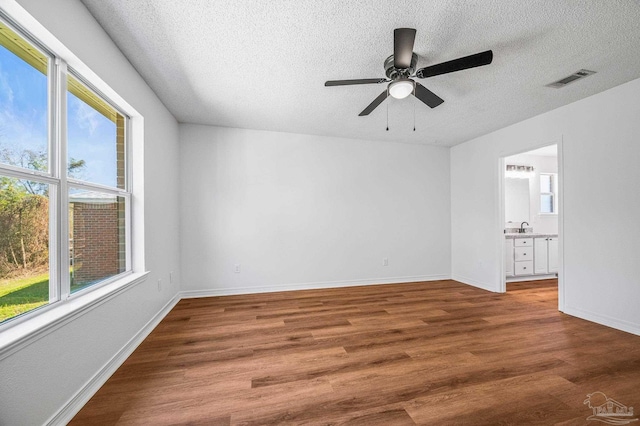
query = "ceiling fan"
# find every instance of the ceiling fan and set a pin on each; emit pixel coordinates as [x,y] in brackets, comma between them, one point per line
[400,68]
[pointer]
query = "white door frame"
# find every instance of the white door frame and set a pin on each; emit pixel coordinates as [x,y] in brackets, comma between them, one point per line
[501,218]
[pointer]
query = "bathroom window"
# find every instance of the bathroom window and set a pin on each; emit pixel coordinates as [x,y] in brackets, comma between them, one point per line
[548,192]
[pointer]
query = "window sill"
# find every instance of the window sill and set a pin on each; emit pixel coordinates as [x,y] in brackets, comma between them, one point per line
[19,335]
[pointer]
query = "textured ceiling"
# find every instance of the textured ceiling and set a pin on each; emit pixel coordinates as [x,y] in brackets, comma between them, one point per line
[262,64]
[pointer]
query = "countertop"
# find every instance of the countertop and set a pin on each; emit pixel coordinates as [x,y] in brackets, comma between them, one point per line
[529,235]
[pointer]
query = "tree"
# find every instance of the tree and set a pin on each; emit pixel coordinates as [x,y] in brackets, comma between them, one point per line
[24,212]
[24,230]
[37,160]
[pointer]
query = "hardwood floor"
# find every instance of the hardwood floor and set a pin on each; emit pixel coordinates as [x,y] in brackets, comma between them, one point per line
[422,353]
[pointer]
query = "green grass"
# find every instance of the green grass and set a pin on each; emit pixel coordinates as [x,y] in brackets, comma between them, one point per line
[24,294]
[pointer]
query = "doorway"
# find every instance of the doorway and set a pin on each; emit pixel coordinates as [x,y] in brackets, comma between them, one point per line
[531,218]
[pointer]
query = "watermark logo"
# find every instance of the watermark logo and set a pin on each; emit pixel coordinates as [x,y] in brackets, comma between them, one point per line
[608,410]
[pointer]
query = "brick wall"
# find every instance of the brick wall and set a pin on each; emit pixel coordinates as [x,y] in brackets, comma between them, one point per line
[120,151]
[98,241]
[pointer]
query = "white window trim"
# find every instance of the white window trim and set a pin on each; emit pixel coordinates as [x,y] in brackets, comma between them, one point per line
[554,194]
[24,330]
[38,326]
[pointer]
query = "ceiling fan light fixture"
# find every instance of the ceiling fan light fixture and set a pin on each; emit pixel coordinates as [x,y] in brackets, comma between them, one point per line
[401,66]
[401,88]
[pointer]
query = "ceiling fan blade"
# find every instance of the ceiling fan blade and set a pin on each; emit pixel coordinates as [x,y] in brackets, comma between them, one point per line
[427,96]
[373,105]
[403,39]
[471,61]
[358,81]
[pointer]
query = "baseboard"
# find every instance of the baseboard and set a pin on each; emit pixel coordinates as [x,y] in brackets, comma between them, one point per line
[73,406]
[622,325]
[475,283]
[521,278]
[189,294]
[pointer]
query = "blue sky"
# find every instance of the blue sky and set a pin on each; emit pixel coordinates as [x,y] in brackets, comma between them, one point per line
[23,121]
[92,138]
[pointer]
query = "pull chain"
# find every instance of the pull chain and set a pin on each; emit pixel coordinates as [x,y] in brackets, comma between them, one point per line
[414,109]
[387,111]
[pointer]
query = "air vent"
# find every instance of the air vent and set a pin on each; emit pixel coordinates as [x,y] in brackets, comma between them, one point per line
[571,78]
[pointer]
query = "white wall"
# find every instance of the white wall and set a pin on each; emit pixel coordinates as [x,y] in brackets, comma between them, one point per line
[300,211]
[40,379]
[541,223]
[600,156]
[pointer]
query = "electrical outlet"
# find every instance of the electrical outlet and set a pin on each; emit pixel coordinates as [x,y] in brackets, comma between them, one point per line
[385,261]
[171,277]
[236,268]
[159,285]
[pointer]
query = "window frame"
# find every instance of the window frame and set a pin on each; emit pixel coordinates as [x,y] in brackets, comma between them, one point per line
[80,184]
[63,305]
[553,193]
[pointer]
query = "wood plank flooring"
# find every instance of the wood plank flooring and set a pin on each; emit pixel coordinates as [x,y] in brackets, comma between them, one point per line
[429,353]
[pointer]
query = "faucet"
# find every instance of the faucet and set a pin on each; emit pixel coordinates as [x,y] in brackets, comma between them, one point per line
[521,230]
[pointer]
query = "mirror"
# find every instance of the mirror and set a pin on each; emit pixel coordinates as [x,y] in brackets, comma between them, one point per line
[516,200]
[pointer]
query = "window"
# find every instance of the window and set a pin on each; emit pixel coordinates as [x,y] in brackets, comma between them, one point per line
[548,191]
[65,200]
[96,175]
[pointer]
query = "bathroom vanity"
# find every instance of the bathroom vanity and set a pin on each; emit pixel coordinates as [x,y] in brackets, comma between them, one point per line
[530,256]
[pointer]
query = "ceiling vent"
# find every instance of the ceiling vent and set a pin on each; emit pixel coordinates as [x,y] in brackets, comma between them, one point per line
[571,78]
